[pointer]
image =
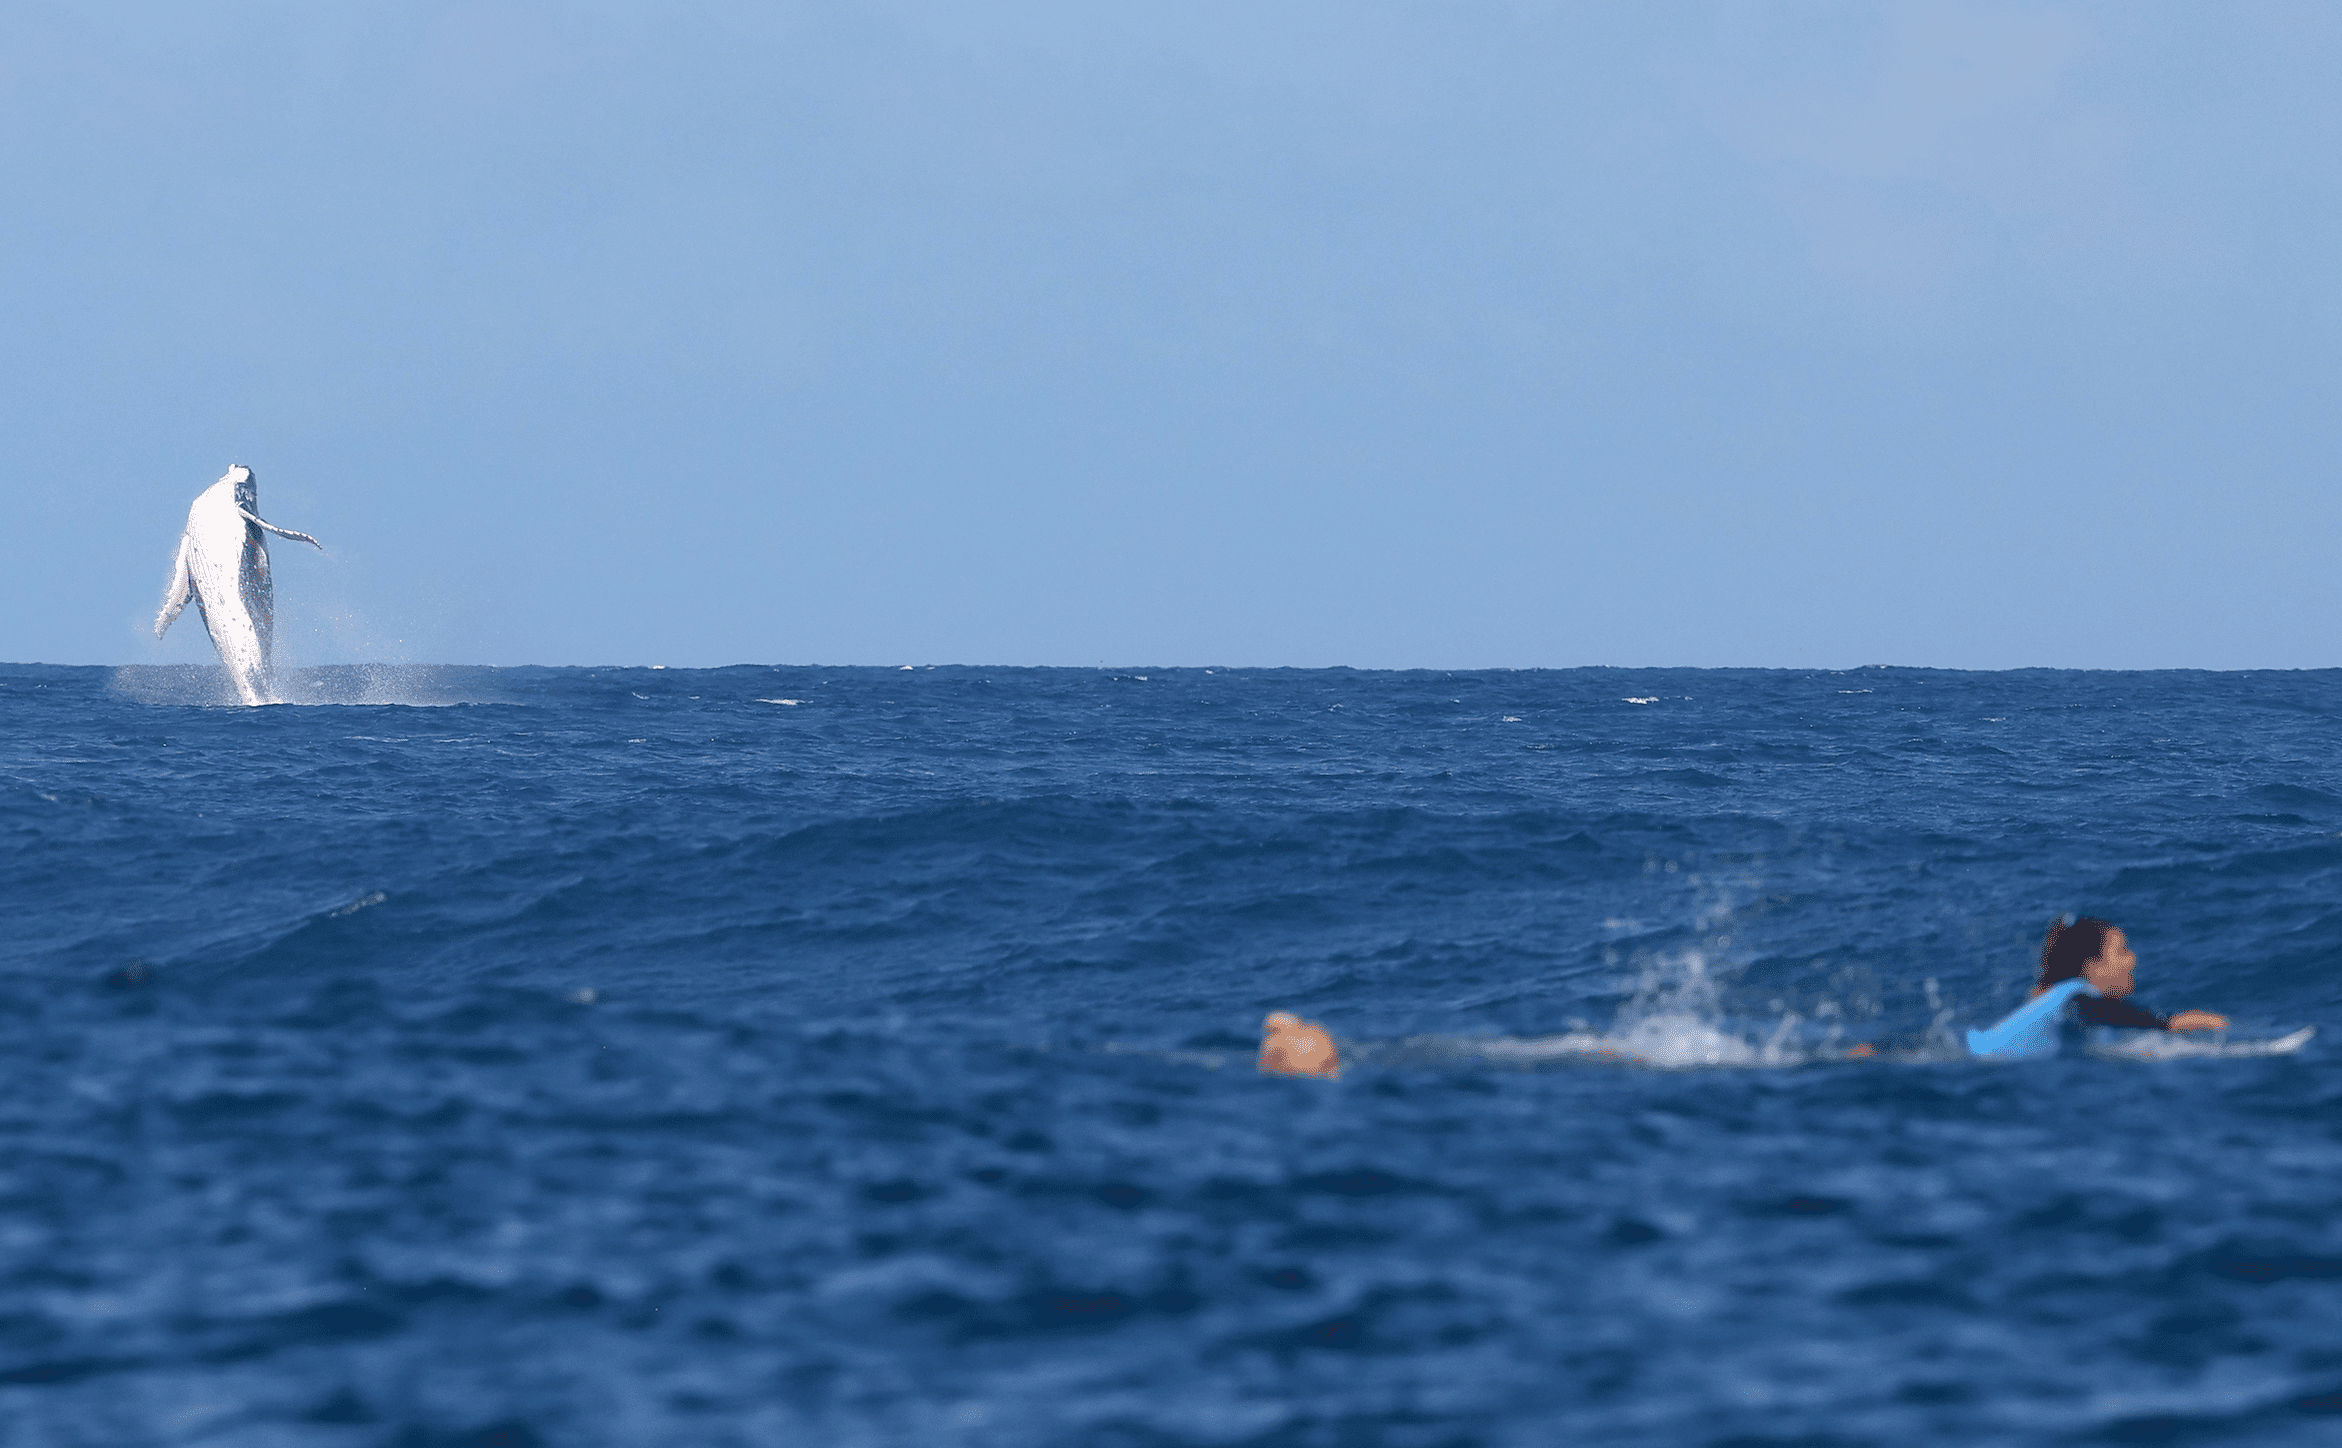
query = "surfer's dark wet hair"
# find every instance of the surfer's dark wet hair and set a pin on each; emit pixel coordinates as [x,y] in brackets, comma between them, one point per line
[2067,948]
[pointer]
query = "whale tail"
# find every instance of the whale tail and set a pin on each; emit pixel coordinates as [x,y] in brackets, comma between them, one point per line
[182,588]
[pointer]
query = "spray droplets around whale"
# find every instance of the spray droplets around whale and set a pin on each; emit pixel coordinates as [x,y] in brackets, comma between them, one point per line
[222,564]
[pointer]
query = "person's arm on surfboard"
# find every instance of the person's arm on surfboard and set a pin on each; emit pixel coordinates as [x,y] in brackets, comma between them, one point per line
[2091,1011]
[2100,1011]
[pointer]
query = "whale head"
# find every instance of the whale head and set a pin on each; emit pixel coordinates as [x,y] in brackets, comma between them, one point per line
[247,486]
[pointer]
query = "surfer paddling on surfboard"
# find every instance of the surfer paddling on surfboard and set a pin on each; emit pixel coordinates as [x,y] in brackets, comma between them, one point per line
[2095,951]
[2086,970]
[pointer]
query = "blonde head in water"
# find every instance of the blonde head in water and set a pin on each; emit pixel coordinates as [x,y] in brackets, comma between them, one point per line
[1291,1046]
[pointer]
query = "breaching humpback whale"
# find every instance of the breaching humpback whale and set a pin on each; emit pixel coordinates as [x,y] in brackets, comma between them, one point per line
[223,566]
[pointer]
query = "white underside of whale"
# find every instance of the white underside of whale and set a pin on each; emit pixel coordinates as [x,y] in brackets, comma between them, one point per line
[223,566]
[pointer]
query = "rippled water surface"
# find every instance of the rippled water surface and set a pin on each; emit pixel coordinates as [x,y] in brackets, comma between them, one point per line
[857,1056]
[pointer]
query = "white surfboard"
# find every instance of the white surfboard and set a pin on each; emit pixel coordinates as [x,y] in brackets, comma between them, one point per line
[2184,1045]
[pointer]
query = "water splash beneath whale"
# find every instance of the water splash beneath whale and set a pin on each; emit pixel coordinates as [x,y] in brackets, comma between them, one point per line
[210,686]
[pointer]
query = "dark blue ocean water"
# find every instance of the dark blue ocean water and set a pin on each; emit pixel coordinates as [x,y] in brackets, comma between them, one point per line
[608,1056]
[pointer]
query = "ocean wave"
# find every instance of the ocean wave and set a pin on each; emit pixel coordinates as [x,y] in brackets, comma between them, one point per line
[621,1057]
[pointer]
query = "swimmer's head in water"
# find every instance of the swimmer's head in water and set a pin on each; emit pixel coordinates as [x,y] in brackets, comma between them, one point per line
[1291,1046]
[2089,949]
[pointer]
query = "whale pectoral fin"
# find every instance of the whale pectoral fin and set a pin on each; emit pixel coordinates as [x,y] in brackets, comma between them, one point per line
[182,588]
[259,521]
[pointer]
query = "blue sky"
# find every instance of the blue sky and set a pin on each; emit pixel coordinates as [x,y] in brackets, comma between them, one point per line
[1390,335]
